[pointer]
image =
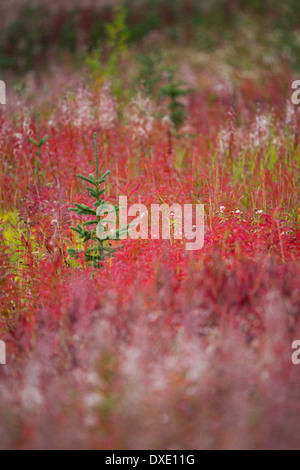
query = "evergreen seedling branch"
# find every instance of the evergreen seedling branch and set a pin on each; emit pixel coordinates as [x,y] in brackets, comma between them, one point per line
[97,248]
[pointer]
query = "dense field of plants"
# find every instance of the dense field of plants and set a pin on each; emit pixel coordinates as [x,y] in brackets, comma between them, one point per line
[158,348]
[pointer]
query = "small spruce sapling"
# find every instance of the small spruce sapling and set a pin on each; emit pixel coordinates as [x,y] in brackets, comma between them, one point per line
[174,91]
[39,142]
[98,249]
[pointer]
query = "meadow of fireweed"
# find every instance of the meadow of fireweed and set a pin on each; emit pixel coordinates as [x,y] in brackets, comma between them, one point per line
[160,348]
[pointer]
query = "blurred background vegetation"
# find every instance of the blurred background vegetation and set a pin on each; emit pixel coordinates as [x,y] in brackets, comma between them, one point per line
[34,33]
